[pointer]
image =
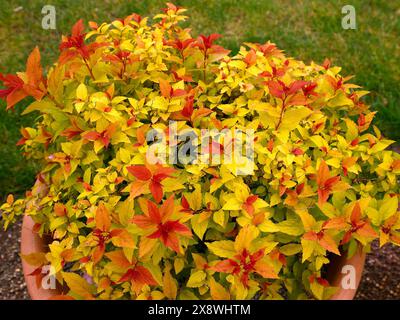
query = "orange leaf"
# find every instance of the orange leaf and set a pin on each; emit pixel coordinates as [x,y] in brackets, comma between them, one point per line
[60,209]
[33,68]
[122,238]
[146,246]
[118,258]
[102,218]
[335,223]
[137,188]
[367,231]
[356,213]
[165,88]
[329,244]
[98,253]
[265,270]
[167,208]
[217,291]
[91,136]
[225,266]
[170,288]
[323,174]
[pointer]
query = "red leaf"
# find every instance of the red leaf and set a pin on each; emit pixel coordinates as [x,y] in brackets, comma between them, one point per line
[276,89]
[297,151]
[78,28]
[153,212]
[323,282]
[140,172]
[156,190]
[187,111]
[185,204]
[296,86]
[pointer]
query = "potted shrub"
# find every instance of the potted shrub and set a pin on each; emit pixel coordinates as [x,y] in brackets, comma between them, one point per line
[144,191]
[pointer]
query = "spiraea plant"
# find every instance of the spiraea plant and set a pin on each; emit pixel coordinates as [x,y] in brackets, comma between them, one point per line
[323,182]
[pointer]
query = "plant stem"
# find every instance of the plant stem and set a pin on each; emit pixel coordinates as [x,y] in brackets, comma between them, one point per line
[90,70]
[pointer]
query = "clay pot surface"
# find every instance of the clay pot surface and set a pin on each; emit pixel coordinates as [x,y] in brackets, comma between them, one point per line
[340,268]
[337,270]
[30,243]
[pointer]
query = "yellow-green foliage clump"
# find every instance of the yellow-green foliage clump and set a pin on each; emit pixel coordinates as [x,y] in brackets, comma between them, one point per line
[323,183]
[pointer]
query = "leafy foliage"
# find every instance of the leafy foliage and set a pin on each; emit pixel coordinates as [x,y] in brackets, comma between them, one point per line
[323,183]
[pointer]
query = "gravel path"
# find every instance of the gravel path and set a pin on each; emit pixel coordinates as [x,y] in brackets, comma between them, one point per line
[12,284]
[381,279]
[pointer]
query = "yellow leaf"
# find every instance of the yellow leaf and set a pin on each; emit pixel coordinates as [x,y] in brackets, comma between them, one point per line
[125,211]
[179,263]
[246,235]
[170,288]
[43,106]
[147,246]
[306,218]
[317,290]
[217,291]
[77,284]
[388,207]
[232,204]
[292,226]
[223,248]
[36,259]
[290,249]
[81,92]
[196,279]
[268,226]
[220,218]
[340,100]
[199,227]
[292,118]
[308,248]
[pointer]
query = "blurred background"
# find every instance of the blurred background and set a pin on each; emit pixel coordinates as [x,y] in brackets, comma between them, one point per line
[307,30]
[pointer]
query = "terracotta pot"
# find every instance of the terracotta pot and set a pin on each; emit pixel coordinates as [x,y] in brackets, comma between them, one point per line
[31,242]
[335,275]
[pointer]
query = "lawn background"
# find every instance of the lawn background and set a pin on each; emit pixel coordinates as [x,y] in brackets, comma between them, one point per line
[307,30]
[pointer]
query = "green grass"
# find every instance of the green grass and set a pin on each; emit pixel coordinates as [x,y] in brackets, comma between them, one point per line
[307,30]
